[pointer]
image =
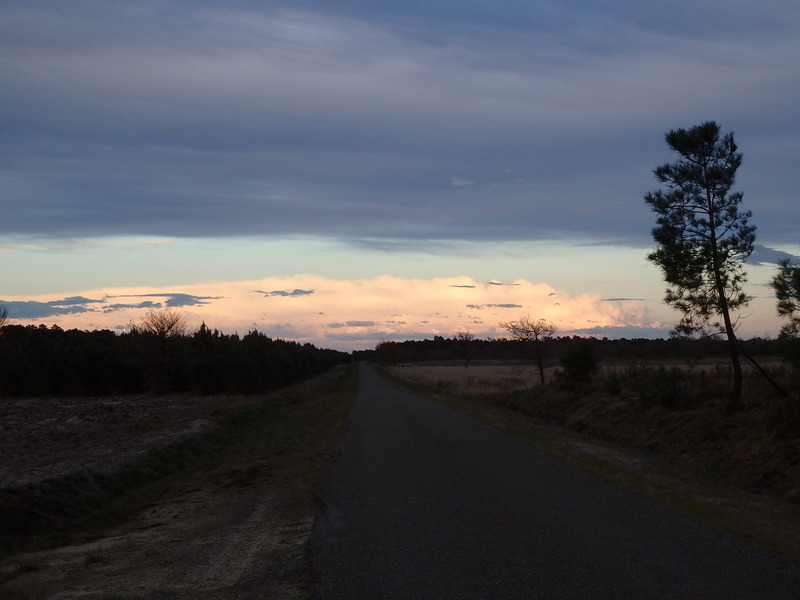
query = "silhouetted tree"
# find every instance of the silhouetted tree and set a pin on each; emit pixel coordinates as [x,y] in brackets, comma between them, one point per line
[388,353]
[702,237]
[3,318]
[465,346]
[160,334]
[787,290]
[162,323]
[786,284]
[532,333]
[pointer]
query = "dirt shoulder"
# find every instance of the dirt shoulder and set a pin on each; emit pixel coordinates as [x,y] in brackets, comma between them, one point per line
[233,526]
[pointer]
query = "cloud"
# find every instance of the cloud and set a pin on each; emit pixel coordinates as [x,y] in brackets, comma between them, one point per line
[31,309]
[145,304]
[355,324]
[177,300]
[482,306]
[173,300]
[356,312]
[349,121]
[154,243]
[762,255]
[287,294]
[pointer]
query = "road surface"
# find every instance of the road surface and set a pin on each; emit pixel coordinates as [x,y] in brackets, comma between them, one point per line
[427,503]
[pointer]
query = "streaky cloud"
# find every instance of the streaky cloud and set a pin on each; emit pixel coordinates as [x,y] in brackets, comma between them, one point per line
[174,300]
[763,255]
[482,306]
[73,301]
[32,309]
[461,136]
[145,304]
[352,324]
[296,293]
[460,182]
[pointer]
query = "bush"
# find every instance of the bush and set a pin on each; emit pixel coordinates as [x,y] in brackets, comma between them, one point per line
[579,361]
[790,350]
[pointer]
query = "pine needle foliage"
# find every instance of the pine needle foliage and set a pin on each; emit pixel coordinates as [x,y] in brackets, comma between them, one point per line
[787,290]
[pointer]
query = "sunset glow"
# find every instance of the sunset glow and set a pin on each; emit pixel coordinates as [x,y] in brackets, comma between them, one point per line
[343,314]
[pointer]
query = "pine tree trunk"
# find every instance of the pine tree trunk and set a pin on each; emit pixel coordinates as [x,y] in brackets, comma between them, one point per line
[539,362]
[734,402]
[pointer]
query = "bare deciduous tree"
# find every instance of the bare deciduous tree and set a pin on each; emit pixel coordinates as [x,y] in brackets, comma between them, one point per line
[465,339]
[3,318]
[533,332]
[163,323]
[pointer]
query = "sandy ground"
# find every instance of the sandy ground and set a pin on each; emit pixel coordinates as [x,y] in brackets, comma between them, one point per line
[41,438]
[220,535]
[205,543]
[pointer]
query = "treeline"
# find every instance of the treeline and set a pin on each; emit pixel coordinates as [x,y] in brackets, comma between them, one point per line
[42,361]
[465,351]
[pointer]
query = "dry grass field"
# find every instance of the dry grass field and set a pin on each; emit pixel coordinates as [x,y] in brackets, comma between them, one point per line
[675,409]
[474,380]
[654,416]
[740,472]
[499,378]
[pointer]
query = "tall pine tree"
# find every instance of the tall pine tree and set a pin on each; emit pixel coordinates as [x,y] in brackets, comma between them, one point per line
[702,237]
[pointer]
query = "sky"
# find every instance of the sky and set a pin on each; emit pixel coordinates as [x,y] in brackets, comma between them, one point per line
[344,173]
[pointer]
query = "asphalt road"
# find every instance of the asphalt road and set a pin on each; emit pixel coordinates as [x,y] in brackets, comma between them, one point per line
[427,503]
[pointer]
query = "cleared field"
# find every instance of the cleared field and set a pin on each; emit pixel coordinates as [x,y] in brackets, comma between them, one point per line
[222,514]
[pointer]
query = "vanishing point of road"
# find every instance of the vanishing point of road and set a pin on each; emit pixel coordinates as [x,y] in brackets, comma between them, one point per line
[427,503]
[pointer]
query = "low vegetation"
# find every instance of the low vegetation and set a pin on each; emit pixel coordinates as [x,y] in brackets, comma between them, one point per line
[673,408]
[665,396]
[277,447]
[670,410]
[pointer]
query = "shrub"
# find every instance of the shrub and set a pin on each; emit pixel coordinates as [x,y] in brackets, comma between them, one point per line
[579,361]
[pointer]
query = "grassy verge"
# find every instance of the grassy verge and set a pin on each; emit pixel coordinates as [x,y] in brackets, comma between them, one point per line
[761,519]
[283,442]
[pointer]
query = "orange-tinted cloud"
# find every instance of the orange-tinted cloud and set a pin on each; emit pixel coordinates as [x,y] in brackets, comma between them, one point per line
[345,314]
